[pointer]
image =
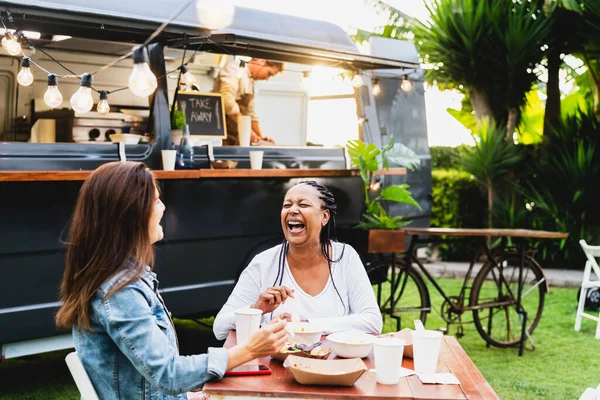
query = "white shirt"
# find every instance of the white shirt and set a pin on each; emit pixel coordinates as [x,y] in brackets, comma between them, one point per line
[359,312]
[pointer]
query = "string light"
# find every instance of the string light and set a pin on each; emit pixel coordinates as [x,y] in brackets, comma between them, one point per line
[215,14]
[375,185]
[187,78]
[357,81]
[305,77]
[103,107]
[142,81]
[5,40]
[13,47]
[406,84]
[52,97]
[242,70]
[376,87]
[25,77]
[81,101]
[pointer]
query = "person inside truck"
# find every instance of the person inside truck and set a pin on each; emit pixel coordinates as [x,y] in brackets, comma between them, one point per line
[236,85]
[122,330]
[310,274]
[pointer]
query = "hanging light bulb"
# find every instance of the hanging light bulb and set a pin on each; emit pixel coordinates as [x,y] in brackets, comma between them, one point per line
[376,87]
[5,40]
[406,84]
[81,101]
[103,107]
[305,77]
[375,185]
[215,14]
[25,77]
[13,46]
[186,76]
[52,97]
[242,70]
[357,81]
[142,81]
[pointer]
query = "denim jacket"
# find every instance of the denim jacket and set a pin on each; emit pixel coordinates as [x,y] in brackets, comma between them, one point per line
[133,352]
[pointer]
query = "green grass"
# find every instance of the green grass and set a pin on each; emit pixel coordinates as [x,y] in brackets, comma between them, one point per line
[564,363]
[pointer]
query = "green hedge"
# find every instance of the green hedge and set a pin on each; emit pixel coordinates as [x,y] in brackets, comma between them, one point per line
[458,202]
[445,157]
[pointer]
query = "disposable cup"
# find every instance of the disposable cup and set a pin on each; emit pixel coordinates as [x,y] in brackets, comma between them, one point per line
[247,322]
[244,130]
[168,159]
[388,359]
[256,159]
[426,350]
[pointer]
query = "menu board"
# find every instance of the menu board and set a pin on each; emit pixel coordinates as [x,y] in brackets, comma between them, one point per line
[204,113]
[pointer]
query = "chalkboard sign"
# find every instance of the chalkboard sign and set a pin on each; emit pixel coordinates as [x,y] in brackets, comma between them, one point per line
[204,113]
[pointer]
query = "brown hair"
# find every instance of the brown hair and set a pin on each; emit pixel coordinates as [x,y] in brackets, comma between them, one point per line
[275,64]
[109,231]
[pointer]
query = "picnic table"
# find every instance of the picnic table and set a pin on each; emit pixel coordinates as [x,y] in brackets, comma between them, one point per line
[281,385]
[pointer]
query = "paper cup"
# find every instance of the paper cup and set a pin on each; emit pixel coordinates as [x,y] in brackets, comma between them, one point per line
[244,130]
[247,322]
[256,159]
[426,350]
[388,360]
[168,159]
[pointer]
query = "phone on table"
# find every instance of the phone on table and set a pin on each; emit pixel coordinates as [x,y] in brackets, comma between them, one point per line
[243,370]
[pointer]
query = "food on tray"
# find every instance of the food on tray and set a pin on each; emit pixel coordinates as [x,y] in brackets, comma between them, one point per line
[302,350]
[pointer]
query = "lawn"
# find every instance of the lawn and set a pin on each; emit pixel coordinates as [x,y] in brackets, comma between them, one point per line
[562,366]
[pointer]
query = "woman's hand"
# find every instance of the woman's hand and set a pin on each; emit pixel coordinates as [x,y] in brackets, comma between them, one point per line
[268,340]
[272,298]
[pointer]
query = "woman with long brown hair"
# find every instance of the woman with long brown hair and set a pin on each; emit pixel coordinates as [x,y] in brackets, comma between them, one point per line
[122,330]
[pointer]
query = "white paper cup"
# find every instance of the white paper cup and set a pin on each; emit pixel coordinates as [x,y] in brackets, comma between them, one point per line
[244,130]
[388,360]
[256,159]
[168,159]
[426,350]
[247,322]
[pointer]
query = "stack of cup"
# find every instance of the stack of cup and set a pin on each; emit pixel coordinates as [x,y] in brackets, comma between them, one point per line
[256,159]
[247,322]
[244,129]
[168,159]
[388,359]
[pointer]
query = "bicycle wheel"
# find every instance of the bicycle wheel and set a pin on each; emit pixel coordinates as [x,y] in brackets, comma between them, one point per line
[412,297]
[494,293]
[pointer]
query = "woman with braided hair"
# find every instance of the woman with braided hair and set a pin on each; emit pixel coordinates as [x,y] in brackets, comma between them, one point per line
[325,278]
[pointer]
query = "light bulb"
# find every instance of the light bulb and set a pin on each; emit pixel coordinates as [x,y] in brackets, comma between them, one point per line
[242,70]
[357,81]
[187,78]
[25,77]
[81,101]
[376,87]
[406,85]
[103,107]
[142,81]
[5,40]
[305,77]
[52,97]
[215,14]
[375,185]
[13,47]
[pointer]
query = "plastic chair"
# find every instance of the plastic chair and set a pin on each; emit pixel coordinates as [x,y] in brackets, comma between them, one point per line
[81,378]
[591,253]
[591,394]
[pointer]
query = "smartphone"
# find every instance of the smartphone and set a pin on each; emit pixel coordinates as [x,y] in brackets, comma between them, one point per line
[249,370]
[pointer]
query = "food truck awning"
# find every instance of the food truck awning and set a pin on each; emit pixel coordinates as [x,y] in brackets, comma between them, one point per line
[253,33]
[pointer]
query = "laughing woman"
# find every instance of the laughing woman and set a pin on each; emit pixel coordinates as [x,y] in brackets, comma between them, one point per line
[325,278]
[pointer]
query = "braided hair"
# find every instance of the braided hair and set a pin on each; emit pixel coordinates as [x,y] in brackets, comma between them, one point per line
[327,235]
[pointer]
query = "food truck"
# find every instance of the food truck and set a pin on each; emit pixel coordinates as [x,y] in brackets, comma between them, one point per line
[216,220]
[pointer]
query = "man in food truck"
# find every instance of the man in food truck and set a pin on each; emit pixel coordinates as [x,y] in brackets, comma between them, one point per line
[236,83]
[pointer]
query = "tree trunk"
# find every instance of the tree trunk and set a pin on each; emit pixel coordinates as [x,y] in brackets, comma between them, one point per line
[490,193]
[552,111]
[595,83]
[480,104]
[511,124]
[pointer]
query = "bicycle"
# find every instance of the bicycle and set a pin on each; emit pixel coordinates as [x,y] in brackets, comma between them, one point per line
[492,298]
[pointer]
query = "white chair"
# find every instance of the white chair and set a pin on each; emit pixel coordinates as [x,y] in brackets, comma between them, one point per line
[591,265]
[591,394]
[81,378]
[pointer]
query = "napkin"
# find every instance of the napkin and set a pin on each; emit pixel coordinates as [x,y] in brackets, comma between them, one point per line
[445,378]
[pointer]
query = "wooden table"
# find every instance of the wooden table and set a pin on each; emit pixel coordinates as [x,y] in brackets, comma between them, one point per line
[283,386]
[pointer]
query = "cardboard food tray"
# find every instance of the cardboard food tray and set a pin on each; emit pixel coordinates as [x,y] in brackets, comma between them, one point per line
[310,371]
[281,356]
[406,335]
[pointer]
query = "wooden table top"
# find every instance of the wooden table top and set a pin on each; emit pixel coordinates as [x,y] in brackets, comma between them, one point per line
[522,233]
[36,176]
[282,385]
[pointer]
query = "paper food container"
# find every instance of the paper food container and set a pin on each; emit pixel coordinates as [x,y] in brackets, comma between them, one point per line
[320,353]
[406,335]
[310,371]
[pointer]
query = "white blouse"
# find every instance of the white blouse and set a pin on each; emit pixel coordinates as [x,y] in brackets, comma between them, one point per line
[359,311]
